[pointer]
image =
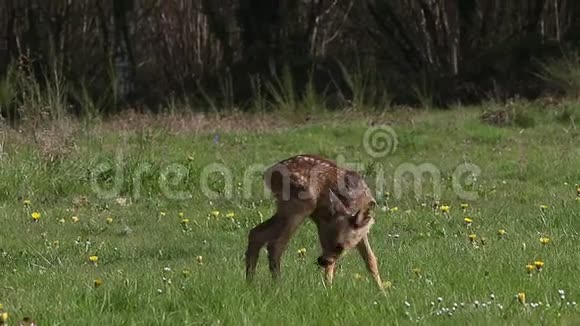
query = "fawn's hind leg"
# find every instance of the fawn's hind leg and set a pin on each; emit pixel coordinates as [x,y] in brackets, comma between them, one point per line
[257,238]
[292,214]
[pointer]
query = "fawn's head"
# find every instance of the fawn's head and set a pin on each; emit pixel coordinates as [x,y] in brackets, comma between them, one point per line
[344,230]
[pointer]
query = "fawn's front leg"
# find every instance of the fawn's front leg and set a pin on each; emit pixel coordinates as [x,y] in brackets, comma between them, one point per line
[329,266]
[329,273]
[366,252]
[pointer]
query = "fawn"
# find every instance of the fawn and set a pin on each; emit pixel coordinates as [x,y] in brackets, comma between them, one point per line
[336,199]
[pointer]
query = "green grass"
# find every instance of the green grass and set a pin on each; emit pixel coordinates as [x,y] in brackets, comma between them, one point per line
[424,253]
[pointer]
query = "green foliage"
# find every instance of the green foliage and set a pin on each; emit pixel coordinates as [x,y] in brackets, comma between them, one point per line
[367,88]
[520,114]
[283,94]
[562,73]
[569,114]
[423,91]
[282,90]
[148,256]
[259,102]
[34,100]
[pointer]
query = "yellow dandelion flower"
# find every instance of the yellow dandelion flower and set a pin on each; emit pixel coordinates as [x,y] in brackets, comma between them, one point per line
[162,213]
[472,237]
[539,264]
[501,232]
[94,259]
[417,271]
[543,207]
[26,202]
[230,215]
[215,213]
[544,240]
[302,252]
[467,220]
[35,216]
[4,317]
[180,214]
[75,219]
[98,282]
[185,221]
[465,206]
[445,208]
[200,259]
[522,297]
[109,220]
[530,268]
[394,209]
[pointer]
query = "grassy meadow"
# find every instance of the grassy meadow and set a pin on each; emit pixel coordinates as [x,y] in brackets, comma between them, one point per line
[124,223]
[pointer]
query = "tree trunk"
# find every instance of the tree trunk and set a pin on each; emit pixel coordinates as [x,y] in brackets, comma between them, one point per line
[123,60]
[258,22]
[6,40]
[218,26]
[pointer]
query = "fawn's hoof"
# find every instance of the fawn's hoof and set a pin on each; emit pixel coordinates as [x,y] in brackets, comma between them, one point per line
[323,261]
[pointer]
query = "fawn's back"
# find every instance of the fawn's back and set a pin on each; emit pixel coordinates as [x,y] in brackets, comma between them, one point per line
[309,177]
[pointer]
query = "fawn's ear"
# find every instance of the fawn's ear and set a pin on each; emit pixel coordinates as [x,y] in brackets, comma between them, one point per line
[336,206]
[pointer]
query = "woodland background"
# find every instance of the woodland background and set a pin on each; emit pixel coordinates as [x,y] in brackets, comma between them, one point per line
[102,57]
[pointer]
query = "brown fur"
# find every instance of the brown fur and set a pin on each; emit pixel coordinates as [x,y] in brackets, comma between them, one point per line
[337,200]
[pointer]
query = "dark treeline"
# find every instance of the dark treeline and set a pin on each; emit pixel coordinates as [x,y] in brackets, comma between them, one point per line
[228,53]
